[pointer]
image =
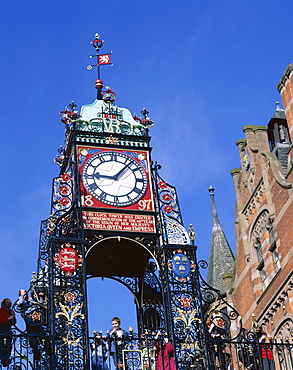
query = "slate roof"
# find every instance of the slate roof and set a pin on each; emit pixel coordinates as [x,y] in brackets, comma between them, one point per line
[221,258]
[279,113]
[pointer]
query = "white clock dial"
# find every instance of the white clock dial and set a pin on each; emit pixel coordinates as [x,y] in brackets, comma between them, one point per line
[114,178]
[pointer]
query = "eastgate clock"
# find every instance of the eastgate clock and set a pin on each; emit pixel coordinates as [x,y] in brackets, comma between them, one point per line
[114,178]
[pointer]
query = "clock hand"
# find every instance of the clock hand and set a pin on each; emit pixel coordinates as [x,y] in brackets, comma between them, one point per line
[98,176]
[120,173]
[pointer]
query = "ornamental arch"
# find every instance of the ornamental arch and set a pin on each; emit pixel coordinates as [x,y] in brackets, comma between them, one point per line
[117,256]
[131,263]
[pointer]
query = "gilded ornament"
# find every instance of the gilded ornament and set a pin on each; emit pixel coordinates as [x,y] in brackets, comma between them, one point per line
[70,313]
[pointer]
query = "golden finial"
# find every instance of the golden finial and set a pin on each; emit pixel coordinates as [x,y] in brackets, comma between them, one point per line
[254,324]
[192,234]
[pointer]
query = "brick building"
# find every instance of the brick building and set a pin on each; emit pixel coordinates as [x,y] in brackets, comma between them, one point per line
[263,276]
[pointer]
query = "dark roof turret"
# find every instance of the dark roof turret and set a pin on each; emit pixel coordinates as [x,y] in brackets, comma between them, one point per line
[221,258]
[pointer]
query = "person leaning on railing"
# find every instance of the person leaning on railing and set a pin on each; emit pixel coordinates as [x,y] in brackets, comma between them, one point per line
[99,349]
[266,353]
[33,311]
[7,319]
[216,354]
[116,342]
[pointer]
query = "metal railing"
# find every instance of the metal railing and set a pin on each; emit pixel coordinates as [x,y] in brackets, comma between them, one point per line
[250,355]
[21,351]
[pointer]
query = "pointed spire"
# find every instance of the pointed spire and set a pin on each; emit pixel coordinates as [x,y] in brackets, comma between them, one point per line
[214,211]
[221,258]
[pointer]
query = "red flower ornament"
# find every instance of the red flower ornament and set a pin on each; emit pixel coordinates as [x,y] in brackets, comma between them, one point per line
[185,302]
[220,322]
[64,201]
[162,185]
[168,209]
[66,177]
[69,297]
[36,316]
[64,189]
[167,197]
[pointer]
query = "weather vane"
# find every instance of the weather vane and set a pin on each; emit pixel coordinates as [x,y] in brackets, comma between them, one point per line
[102,59]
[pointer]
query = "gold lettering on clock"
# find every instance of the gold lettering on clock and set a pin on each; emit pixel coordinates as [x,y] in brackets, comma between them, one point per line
[144,205]
[110,124]
[87,200]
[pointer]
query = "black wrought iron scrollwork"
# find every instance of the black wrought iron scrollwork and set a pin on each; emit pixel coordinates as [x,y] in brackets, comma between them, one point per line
[62,194]
[150,243]
[68,225]
[168,199]
[218,308]
[68,306]
[152,281]
[202,264]
[132,283]
[169,211]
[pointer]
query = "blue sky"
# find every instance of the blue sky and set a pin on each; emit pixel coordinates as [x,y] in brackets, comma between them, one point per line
[202,68]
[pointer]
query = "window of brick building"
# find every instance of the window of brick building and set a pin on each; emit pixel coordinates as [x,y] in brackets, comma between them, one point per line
[263,238]
[258,248]
[273,245]
[270,227]
[284,352]
[263,274]
[276,258]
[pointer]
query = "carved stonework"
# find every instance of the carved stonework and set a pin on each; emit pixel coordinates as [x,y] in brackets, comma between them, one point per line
[255,201]
[286,330]
[280,303]
[260,226]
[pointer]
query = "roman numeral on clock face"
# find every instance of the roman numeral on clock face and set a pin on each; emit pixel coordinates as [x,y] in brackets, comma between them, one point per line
[93,186]
[103,196]
[102,158]
[114,157]
[136,190]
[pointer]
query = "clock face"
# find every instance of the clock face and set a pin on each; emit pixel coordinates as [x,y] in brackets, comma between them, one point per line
[114,178]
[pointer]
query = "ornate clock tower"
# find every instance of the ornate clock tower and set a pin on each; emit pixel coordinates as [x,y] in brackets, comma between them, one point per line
[113,216]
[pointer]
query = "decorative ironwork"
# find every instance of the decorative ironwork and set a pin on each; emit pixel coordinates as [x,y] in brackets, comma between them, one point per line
[150,243]
[138,351]
[175,232]
[101,59]
[184,307]
[68,117]
[168,201]
[67,259]
[59,158]
[172,299]
[68,315]
[132,283]
[181,265]
[173,229]
[62,194]
[110,119]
